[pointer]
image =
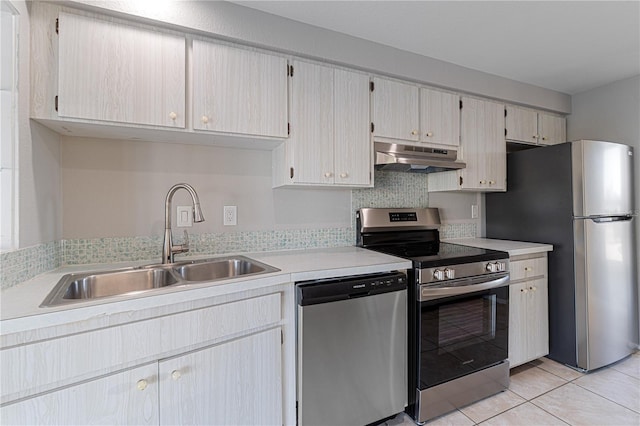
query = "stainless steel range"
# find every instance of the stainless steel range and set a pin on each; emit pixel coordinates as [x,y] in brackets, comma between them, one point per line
[458,312]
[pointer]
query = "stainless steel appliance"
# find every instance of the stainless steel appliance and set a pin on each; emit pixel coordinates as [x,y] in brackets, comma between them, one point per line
[351,349]
[578,196]
[418,159]
[458,315]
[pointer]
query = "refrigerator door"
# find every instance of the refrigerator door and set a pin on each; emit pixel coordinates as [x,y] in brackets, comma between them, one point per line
[602,178]
[606,291]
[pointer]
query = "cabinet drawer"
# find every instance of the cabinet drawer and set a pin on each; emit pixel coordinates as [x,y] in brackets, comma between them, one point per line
[528,268]
[46,365]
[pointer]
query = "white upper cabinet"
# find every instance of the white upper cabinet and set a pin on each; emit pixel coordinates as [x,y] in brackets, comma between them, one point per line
[552,128]
[395,110]
[439,117]
[329,144]
[534,127]
[482,148]
[352,142]
[113,72]
[406,112]
[239,91]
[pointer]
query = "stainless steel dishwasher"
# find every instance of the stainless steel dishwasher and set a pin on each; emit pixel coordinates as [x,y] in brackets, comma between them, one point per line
[351,349]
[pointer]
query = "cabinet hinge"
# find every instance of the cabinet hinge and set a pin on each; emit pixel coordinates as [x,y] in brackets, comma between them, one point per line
[56,102]
[505,112]
[371,86]
[296,413]
[460,180]
[290,72]
[288,128]
[460,103]
[57,26]
[505,132]
[372,127]
[291,172]
[281,337]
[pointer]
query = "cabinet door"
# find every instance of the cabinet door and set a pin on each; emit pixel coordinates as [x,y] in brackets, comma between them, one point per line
[311,141]
[518,324]
[439,117]
[239,91]
[130,397]
[483,146]
[114,72]
[352,142]
[521,124]
[538,318]
[395,110]
[552,128]
[234,383]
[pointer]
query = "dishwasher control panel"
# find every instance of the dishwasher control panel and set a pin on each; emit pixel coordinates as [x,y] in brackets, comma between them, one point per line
[334,289]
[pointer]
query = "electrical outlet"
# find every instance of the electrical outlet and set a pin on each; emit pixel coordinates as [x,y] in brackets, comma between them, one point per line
[184,215]
[230,216]
[474,211]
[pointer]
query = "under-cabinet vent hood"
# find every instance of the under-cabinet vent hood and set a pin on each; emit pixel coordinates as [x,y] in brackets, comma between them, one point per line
[415,159]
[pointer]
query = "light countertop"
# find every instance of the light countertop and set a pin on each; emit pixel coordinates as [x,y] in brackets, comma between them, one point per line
[20,311]
[514,248]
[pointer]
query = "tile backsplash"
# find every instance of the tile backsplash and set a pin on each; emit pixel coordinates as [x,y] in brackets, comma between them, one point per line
[20,265]
[391,190]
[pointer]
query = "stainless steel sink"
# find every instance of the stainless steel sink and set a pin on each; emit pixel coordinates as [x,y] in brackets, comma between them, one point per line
[227,268]
[74,288]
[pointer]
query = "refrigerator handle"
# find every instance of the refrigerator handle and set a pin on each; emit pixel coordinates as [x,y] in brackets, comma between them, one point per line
[612,219]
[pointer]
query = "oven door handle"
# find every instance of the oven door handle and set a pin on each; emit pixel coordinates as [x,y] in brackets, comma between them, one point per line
[475,285]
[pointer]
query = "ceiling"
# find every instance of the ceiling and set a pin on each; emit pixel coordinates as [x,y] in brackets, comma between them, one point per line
[567,46]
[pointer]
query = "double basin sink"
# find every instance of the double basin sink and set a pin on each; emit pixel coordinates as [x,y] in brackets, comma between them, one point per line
[129,281]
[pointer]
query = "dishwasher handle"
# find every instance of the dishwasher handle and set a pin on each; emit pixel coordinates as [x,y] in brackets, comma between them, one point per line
[335,289]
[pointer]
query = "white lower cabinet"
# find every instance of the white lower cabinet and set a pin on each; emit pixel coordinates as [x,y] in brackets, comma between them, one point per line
[236,383]
[129,397]
[528,310]
[222,363]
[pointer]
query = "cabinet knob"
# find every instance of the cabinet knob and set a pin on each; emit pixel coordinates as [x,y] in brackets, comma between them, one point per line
[429,134]
[544,138]
[528,268]
[173,115]
[205,119]
[482,182]
[328,174]
[344,175]
[524,290]
[176,374]
[142,384]
[414,132]
[533,288]
[536,136]
[492,182]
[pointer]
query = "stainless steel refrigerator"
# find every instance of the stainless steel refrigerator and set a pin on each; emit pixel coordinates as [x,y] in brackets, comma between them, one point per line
[578,196]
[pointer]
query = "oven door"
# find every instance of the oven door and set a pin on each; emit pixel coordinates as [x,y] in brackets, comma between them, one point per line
[462,327]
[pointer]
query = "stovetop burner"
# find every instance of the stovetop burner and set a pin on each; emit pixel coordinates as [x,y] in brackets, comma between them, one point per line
[441,254]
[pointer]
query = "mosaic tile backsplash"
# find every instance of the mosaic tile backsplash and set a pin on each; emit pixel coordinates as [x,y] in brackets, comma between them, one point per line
[20,265]
[391,190]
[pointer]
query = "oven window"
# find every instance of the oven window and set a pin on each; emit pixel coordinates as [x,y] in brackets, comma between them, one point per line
[463,323]
[462,334]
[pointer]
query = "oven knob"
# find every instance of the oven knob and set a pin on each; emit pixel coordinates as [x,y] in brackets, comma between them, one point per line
[501,266]
[438,274]
[492,267]
[449,273]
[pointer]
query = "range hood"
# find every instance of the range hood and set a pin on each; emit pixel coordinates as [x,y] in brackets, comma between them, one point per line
[415,159]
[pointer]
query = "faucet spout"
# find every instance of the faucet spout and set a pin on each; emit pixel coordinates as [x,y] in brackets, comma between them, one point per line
[168,249]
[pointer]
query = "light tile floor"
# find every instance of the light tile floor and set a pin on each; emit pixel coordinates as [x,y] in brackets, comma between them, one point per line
[544,392]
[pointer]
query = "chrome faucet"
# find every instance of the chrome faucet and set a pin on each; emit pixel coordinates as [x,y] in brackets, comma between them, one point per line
[168,249]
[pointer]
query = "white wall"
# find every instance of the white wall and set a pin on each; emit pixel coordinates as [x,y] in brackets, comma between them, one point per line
[40,201]
[611,113]
[114,188]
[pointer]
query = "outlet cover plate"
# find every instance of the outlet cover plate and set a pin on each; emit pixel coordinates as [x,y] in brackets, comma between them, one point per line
[230,216]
